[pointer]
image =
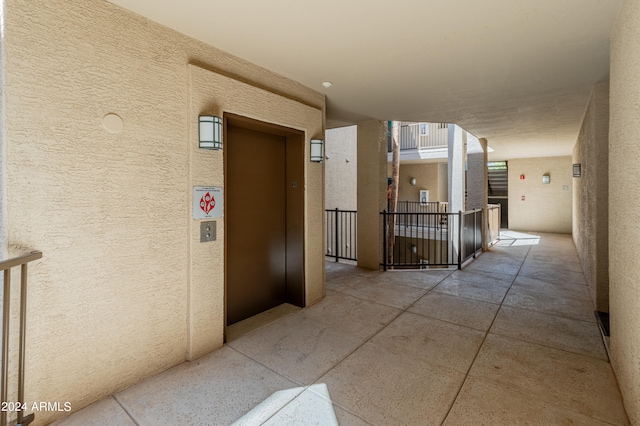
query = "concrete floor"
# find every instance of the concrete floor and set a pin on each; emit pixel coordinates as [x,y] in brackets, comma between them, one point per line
[511,339]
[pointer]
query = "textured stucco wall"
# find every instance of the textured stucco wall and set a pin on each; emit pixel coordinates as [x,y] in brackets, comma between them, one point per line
[591,196]
[443,182]
[547,207]
[477,174]
[125,288]
[426,175]
[457,155]
[341,168]
[372,190]
[3,200]
[478,182]
[624,205]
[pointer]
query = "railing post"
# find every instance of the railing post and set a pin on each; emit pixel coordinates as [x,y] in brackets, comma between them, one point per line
[459,239]
[5,343]
[6,313]
[21,349]
[475,219]
[336,234]
[384,240]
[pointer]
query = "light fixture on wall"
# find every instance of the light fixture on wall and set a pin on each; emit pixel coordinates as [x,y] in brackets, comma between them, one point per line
[317,150]
[210,132]
[414,249]
[577,170]
[546,179]
[413,181]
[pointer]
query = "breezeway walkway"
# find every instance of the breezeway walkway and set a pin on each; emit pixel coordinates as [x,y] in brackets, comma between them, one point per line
[510,339]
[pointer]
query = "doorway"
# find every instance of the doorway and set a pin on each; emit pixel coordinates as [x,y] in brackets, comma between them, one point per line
[264,218]
[498,188]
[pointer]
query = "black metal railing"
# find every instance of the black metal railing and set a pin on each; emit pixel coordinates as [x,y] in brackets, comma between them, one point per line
[341,234]
[418,207]
[431,239]
[6,266]
[470,235]
[421,207]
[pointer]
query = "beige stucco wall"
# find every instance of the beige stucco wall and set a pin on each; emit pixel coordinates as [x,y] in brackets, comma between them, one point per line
[427,177]
[624,205]
[477,174]
[443,181]
[591,196]
[341,168]
[456,157]
[547,207]
[372,190]
[125,288]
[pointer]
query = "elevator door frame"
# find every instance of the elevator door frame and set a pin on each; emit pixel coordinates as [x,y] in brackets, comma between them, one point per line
[294,194]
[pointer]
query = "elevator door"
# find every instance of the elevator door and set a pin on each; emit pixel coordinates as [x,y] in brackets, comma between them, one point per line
[256,222]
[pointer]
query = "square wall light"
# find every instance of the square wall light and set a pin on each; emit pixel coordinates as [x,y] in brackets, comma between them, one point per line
[577,170]
[210,132]
[317,150]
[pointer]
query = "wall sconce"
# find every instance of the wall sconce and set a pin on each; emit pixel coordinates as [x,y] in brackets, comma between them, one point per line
[317,150]
[210,132]
[546,179]
[577,170]
[414,249]
[413,181]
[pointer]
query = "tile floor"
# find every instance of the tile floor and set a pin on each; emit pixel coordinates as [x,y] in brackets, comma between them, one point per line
[511,339]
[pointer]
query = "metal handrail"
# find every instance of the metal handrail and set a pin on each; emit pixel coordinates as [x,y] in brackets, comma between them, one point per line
[341,236]
[424,229]
[6,266]
[493,223]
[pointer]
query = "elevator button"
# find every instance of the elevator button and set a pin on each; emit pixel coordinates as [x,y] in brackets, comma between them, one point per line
[207,231]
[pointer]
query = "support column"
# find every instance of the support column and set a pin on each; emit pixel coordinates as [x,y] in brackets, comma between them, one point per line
[372,190]
[477,187]
[457,154]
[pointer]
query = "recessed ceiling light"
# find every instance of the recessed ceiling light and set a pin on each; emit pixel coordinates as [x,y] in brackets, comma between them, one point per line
[327,84]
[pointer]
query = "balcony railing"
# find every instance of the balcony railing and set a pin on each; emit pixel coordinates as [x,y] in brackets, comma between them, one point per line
[341,234]
[431,239]
[6,267]
[423,136]
[422,207]
[425,234]
[493,222]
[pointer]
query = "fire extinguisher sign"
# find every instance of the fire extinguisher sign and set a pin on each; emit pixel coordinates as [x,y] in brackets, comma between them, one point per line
[207,202]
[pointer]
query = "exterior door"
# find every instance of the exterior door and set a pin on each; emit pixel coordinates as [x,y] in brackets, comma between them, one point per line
[256,222]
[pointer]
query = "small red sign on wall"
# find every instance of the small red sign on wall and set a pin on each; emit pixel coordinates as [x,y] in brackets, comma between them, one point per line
[207,202]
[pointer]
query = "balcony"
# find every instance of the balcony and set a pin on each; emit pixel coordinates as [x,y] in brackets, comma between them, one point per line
[422,141]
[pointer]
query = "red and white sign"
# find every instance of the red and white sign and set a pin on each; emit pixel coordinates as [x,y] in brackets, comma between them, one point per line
[207,202]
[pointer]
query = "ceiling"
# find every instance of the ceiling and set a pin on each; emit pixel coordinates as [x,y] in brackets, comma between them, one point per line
[516,72]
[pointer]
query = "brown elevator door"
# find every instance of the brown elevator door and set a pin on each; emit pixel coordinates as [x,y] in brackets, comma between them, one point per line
[256,222]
